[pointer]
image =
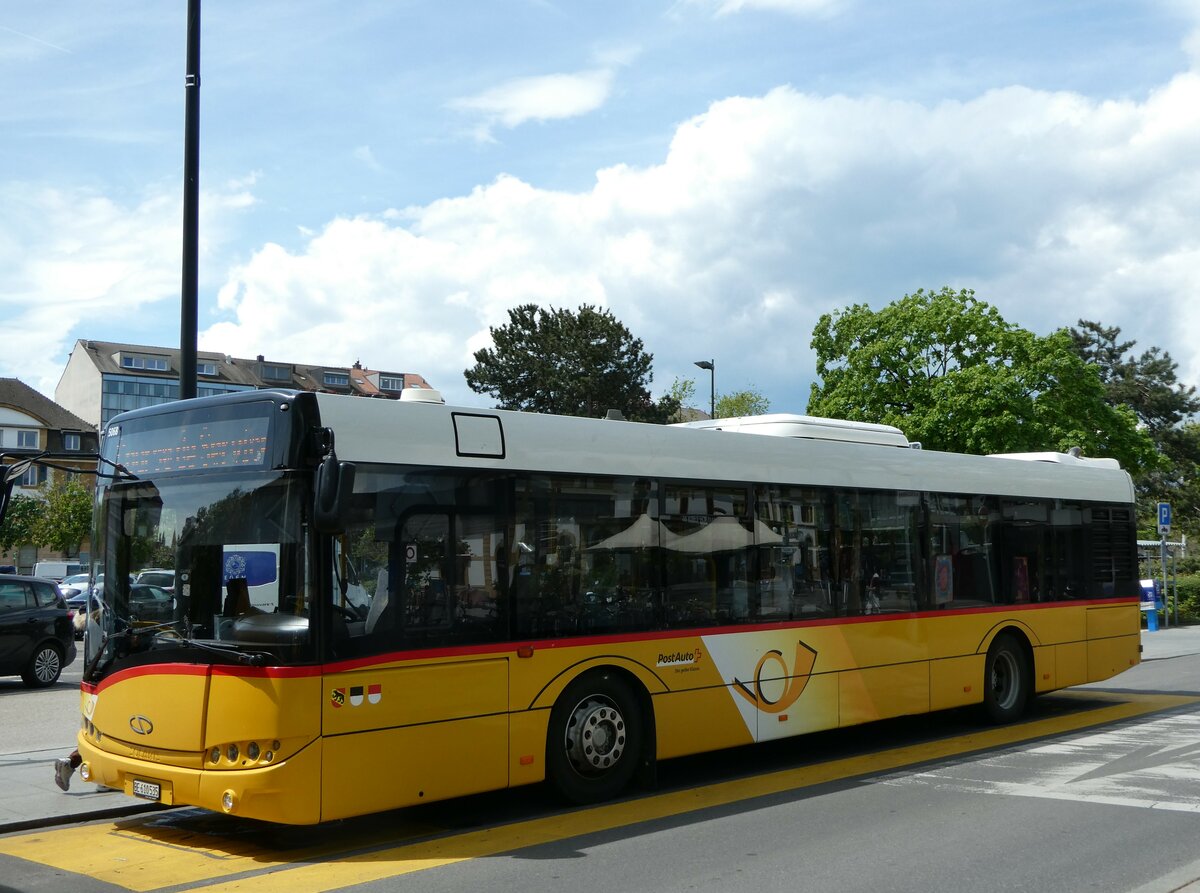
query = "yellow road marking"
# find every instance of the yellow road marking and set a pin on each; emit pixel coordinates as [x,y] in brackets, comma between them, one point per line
[149,858]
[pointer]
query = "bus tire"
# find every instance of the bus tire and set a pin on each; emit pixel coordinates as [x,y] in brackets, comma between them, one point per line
[594,743]
[1007,680]
[44,667]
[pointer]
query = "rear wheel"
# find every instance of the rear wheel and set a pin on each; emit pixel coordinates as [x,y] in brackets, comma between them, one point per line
[1007,680]
[44,667]
[595,738]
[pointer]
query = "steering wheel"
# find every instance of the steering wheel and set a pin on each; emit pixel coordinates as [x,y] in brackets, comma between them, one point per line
[351,616]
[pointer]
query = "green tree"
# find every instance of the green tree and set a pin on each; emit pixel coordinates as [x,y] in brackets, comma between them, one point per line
[572,363]
[1148,385]
[66,517]
[950,372]
[741,403]
[20,522]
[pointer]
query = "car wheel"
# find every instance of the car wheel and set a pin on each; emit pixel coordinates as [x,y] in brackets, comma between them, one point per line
[44,668]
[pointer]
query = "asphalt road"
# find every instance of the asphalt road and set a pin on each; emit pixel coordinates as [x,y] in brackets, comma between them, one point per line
[37,719]
[1098,791]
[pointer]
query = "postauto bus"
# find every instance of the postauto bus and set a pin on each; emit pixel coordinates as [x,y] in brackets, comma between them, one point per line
[478,599]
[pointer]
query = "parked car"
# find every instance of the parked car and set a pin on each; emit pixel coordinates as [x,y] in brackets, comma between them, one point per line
[151,603]
[157,576]
[36,636]
[73,585]
[146,605]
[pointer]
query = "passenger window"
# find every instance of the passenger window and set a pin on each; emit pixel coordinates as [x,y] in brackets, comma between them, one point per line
[45,595]
[13,597]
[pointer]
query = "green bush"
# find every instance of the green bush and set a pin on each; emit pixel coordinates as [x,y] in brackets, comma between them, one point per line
[1187,591]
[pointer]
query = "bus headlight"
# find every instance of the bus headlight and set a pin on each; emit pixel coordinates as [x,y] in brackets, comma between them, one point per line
[227,801]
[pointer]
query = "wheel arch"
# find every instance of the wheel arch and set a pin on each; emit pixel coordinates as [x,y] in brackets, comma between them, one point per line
[642,682]
[1019,630]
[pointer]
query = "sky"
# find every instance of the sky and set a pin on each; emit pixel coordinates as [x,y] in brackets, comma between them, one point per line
[382,180]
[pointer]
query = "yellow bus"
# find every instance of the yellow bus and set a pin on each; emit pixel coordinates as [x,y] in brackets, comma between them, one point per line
[384,603]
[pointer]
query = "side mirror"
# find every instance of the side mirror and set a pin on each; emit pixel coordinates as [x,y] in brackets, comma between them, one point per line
[335,486]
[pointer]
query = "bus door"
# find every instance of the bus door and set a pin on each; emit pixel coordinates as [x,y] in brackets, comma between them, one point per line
[418,698]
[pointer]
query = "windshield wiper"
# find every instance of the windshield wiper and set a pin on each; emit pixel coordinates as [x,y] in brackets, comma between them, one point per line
[251,658]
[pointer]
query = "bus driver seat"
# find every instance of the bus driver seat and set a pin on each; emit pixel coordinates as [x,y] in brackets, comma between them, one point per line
[379,601]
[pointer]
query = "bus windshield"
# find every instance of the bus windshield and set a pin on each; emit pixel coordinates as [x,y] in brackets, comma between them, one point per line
[235,541]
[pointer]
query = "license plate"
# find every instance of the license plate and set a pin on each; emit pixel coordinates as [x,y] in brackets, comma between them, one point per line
[149,790]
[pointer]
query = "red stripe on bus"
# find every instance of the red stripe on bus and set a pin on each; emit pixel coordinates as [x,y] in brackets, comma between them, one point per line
[496,648]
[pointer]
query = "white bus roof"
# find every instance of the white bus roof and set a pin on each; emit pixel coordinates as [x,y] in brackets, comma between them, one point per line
[787,425]
[434,434]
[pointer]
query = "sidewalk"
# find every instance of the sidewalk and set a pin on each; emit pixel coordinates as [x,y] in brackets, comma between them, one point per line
[32,800]
[1176,641]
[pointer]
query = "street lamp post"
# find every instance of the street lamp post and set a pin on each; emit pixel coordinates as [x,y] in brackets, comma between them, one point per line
[711,366]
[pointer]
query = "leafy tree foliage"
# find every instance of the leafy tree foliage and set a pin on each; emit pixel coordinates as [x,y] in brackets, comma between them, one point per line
[571,363]
[950,372]
[20,522]
[1148,385]
[740,403]
[66,517]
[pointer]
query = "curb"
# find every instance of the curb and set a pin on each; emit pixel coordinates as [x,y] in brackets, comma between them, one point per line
[50,821]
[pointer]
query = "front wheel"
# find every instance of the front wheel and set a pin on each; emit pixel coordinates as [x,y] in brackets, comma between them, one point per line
[44,667]
[1007,680]
[595,738]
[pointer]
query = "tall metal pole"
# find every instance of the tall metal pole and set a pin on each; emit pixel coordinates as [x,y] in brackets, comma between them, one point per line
[711,366]
[1162,554]
[191,207]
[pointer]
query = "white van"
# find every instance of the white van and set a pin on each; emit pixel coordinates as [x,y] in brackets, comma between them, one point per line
[56,570]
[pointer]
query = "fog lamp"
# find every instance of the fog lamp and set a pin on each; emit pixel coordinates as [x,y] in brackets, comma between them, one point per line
[227,801]
[85,771]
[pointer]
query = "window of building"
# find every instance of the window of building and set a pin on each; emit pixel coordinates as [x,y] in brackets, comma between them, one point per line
[337,379]
[71,441]
[206,368]
[124,392]
[136,361]
[276,373]
[33,476]
[391,382]
[28,439]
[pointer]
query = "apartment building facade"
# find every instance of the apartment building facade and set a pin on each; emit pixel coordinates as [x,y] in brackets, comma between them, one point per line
[32,423]
[104,378]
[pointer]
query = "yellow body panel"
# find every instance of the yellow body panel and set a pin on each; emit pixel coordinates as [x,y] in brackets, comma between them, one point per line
[378,770]
[882,692]
[376,737]
[1070,663]
[955,681]
[249,708]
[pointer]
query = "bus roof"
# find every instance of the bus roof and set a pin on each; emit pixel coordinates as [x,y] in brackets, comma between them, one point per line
[433,434]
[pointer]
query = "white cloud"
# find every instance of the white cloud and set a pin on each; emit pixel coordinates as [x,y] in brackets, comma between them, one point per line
[767,212]
[543,98]
[73,258]
[806,8]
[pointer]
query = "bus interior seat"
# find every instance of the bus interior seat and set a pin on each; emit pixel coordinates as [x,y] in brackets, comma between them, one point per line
[379,601]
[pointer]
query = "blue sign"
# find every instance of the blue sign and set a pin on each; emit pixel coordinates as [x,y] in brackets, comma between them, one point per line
[1164,517]
[257,568]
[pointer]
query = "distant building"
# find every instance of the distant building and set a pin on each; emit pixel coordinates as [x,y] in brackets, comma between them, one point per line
[103,378]
[31,422]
